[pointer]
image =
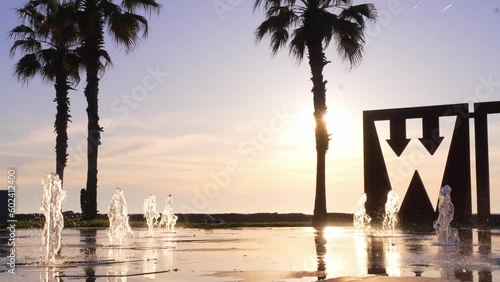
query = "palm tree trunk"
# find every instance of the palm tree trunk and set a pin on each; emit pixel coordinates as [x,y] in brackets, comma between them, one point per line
[93,142]
[93,42]
[62,117]
[317,62]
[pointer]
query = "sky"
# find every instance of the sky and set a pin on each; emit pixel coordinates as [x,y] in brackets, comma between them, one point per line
[200,111]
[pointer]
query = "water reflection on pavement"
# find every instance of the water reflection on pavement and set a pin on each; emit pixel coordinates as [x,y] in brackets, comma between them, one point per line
[255,254]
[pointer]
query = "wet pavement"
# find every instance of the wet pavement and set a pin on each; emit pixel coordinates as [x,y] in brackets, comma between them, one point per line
[255,254]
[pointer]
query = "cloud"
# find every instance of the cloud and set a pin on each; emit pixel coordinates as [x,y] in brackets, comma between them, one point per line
[446,8]
[244,127]
[155,122]
[151,146]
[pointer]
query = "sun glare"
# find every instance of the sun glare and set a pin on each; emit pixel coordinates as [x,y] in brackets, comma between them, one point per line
[330,122]
[332,233]
[340,125]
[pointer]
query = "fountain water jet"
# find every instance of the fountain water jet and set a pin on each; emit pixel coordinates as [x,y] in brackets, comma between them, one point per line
[391,211]
[168,217]
[150,212]
[361,220]
[446,234]
[51,207]
[118,219]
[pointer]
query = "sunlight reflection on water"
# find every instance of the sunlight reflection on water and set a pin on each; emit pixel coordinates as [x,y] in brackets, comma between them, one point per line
[251,254]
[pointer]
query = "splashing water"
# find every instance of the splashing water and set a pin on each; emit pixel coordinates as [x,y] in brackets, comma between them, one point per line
[150,212]
[446,234]
[391,211]
[361,219]
[51,207]
[168,217]
[118,218]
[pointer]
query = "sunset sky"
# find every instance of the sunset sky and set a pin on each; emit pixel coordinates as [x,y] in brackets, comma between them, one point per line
[202,112]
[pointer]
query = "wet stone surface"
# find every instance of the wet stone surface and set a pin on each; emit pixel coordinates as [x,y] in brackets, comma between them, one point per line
[253,254]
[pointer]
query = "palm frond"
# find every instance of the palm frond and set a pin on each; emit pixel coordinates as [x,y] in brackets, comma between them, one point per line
[108,9]
[359,13]
[52,7]
[330,24]
[266,4]
[336,3]
[45,37]
[63,25]
[31,15]
[29,45]
[350,42]
[351,34]
[105,59]
[73,65]
[324,20]
[150,6]
[279,39]
[21,31]
[298,44]
[49,72]
[27,67]
[279,21]
[47,56]
[125,29]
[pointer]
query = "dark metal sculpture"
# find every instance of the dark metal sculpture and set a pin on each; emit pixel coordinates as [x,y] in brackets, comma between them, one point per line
[416,206]
[481,112]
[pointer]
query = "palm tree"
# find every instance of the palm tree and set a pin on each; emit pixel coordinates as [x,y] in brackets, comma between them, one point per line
[126,28]
[47,38]
[313,24]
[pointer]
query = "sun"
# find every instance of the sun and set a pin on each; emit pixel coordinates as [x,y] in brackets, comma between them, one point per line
[329,118]
[340,125]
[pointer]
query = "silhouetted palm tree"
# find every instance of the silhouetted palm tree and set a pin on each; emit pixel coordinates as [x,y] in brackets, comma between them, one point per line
[311,25]
[125,26]
[47,40]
